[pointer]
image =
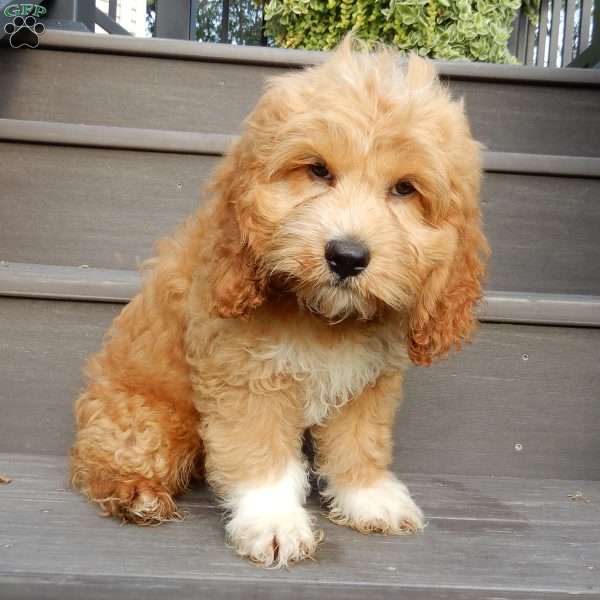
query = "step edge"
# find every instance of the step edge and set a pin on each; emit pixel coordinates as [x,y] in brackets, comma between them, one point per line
[114,138]
[284,57]
[51,282]
[216,144]
[41,580]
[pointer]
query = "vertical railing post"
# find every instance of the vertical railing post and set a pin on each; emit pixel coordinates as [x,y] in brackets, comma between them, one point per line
[543,34]
[585,24]
[263,25]
[569,31]
[224,37]
[531,40]
[69,14]
[176,19]
[589,56]
[554,32]
[513,41]
[523,26]
[193,12]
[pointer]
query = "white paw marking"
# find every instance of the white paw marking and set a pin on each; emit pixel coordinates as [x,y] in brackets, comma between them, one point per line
[385,507]
[269,525]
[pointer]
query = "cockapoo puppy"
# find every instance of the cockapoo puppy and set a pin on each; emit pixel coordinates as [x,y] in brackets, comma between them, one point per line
[341,239]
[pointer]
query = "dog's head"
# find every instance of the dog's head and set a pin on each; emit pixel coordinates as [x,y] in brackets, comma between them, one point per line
[355,187]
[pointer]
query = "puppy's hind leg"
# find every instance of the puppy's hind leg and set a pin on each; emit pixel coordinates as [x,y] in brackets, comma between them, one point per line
[132,455]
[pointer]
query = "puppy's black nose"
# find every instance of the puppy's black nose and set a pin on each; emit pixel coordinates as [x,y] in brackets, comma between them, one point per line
[346,258]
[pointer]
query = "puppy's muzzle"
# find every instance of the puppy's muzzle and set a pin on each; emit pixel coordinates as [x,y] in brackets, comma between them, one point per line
[347,258]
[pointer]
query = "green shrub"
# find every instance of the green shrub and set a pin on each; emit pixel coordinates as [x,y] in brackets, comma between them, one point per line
[445,29]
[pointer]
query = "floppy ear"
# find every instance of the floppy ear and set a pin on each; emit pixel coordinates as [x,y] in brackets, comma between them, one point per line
[234,275]
[443,316]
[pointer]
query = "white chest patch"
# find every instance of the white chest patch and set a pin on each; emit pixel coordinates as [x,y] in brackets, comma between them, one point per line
[328,376]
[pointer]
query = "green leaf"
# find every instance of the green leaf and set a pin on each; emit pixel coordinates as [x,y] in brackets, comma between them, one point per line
[449,29]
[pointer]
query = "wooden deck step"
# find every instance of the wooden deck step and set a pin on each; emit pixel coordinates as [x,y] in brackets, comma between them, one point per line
[522,401]
[111,202]
[163,84]
[105,143]
[486,538]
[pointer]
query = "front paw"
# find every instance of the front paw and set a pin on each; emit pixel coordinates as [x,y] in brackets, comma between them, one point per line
[275,539]
[383,507]
[269,525]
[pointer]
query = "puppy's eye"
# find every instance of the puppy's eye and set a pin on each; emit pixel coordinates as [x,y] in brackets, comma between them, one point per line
[403,188]
[321,171]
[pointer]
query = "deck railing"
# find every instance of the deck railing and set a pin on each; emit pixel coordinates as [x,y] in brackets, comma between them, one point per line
[567,32]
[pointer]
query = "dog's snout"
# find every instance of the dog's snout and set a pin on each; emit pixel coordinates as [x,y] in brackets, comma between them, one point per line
[346,258]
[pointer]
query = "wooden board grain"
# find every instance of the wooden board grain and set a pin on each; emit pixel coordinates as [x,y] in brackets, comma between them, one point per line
[517,540]
[195,95]
[94,207]
[106,208]
[543,232]
[72,41]
[442,496]
[521,401]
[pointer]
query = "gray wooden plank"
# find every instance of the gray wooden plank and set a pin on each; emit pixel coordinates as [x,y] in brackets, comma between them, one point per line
[508,118]
[23,280]
[57,533]
[540,309]
[518,401]
[287,58]
[41,372]
[213,144]
[541,164]
[533,386]
[442,496]
[108,208]
[41,586]
[133,91]
[127,138]
[543,232]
